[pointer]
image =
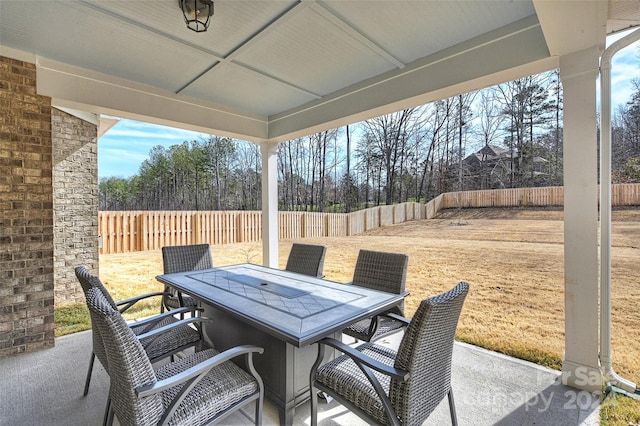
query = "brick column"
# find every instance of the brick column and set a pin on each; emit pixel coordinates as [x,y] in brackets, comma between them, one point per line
[75,205]
[26,212]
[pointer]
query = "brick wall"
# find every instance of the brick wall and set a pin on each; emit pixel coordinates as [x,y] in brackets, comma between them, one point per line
[26,212]
[75,205]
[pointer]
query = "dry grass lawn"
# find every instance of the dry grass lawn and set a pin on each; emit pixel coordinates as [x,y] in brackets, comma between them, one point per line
[513,259]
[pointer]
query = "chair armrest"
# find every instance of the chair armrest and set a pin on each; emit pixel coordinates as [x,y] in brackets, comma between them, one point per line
[375,322]
[133,300]
[161,330]
[405,321]
[153,320]
[197,371]
[360,358]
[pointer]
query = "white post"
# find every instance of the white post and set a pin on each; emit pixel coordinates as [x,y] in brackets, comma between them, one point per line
[580,366]
[270,236]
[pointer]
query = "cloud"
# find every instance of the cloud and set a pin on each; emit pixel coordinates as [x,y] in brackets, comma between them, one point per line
[124,147]
[624,67]
[119,162]
[136,129]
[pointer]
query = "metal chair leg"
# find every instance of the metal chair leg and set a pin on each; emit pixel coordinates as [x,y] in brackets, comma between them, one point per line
[108,413]
[259,411]
[88,381]
[452,409]
[314,406]
[313,391]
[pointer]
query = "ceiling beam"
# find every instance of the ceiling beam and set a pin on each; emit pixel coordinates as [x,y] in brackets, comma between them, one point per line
[78,88]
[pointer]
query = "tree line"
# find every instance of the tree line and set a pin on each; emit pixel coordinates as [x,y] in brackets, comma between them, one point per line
[505,136]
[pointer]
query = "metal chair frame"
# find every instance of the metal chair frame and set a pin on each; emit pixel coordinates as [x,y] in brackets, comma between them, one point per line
[418,375]
[183,258]
[148,330]
[380,271]
[152,400]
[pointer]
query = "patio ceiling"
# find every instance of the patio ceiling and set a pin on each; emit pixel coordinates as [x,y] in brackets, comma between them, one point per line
[274,70]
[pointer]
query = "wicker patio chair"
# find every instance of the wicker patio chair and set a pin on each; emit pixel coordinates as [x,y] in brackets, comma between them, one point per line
[203,388]
[307,259]
[161,335]
[186,258]
[385,272]
[391,388]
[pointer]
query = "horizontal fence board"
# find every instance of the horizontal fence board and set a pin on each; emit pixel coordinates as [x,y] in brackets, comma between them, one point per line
[127,231]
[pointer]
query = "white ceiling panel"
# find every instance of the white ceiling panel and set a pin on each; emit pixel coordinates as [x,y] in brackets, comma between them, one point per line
[312,53]
[410,30]
[241,89]
[224,35]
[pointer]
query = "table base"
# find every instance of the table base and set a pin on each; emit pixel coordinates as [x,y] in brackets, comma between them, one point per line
[284,368]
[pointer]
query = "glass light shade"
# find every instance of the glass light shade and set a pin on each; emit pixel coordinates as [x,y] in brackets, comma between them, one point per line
[196,13]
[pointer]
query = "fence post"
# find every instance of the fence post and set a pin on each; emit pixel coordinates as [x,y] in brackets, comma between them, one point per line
[196,228]
[142,232]
[303,225]
[241,227]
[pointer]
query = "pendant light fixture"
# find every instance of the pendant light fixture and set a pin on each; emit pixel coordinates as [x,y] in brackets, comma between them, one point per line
[197,14]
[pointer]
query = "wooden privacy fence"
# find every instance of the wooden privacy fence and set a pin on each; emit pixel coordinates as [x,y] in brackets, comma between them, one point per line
[625,194]
[127,231]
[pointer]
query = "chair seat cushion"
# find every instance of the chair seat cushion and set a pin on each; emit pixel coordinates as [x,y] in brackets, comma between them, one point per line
[167,343]
[172,302]
[223,386]
[346,379]
[360,329]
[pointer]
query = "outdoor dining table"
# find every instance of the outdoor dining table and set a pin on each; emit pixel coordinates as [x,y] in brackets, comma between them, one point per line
[283,312]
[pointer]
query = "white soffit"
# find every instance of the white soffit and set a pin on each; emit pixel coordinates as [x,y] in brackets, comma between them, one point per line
[269,70]
[623,14]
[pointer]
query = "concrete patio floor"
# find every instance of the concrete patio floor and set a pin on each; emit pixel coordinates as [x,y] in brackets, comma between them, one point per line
[45,388]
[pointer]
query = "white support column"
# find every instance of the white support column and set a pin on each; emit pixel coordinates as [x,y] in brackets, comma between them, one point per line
[580,366]
[270,236]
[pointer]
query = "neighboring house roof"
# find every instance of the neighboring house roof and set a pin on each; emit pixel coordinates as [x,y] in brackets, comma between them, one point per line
[488,153]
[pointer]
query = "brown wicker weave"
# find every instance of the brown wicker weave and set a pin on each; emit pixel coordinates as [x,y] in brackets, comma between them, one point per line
[203,388]
[191,257]
[307,259]
[385,272]
[156,342]
[403,387]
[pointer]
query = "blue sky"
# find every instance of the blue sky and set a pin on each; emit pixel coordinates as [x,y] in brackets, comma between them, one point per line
[625,67]
[126,145]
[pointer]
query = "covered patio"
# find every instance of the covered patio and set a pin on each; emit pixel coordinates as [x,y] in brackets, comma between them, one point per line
[490,389]
[267,72]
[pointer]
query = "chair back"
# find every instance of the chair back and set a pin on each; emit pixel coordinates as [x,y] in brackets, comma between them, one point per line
[382,271]
[426,352]
[186,258]
[129,365]
[307,259]
[89,281]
